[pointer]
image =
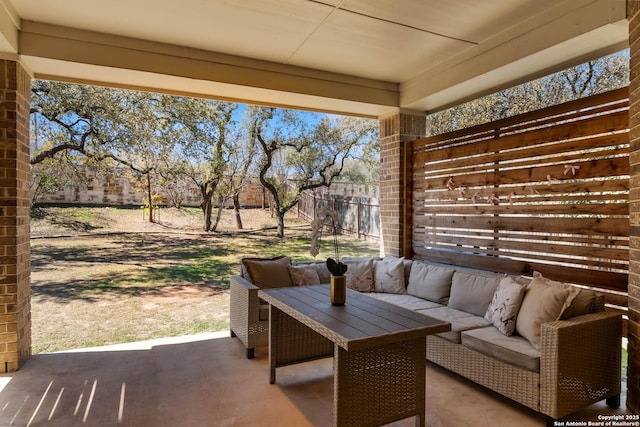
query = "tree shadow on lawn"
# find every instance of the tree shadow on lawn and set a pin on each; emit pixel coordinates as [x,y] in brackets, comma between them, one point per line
[127,250]
[93,291]
[156,264]
[164,261]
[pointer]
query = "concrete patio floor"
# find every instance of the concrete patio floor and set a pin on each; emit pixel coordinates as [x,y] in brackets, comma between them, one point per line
[205,380]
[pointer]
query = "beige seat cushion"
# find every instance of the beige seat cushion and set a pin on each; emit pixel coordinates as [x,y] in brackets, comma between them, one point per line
[460,321]
[406,301]
[515,350]
[268,273]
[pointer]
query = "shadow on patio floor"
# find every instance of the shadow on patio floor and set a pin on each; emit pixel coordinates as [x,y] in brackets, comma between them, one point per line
[205,380]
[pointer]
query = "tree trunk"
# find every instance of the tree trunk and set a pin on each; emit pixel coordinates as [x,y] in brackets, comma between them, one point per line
[221,202]
[206,210]
[236,209]
[280,218]
[149,197]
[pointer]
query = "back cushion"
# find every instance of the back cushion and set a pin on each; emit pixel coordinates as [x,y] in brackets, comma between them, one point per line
[323,272]
[268,272]
[580,301]
[388,275]
[304,275]
[542,303]
[359,275]
[472,292]
[430,282]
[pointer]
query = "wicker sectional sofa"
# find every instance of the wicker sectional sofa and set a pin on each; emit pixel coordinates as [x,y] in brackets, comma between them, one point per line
[549,346]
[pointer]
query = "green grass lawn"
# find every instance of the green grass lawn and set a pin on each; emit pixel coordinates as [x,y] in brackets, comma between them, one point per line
[96,289]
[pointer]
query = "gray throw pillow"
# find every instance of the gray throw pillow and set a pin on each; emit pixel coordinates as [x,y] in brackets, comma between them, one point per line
[430,282]
[472,293]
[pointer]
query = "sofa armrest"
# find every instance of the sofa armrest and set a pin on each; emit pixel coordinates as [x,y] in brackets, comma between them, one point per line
[580,362]
[242,283]
[244,305]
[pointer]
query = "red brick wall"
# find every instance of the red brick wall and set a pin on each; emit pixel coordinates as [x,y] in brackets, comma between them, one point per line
[395,131]
[15,255]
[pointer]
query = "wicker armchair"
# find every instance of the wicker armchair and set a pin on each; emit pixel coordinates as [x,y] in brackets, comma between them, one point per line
[244,315]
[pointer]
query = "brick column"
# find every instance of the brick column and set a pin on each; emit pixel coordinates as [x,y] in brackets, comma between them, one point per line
[15,252]
[395,131]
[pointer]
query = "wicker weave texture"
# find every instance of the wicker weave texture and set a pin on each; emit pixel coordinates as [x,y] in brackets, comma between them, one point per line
[580,362]
[292,342]
[515,383]
[379,365]
[244,309]
[380,384]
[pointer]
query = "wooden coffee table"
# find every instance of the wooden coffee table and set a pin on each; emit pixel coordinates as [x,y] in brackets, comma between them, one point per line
[379,350]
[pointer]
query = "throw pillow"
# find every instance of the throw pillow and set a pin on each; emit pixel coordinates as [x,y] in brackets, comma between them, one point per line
[323,272]
[472,292]
[579,301]
[430,282]
[360,275]
[583,303]
[542,303]
[389,275]
[303,275]
[504,307]
[268,273]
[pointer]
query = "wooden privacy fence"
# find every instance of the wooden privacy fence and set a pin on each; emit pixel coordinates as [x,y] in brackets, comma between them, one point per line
[544,191]
[358,216]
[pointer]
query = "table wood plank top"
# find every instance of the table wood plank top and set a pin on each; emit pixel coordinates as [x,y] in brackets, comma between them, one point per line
[363,322]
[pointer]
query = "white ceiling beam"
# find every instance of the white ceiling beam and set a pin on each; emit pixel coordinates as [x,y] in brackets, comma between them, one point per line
[9,26]
[56,43]
[579,31]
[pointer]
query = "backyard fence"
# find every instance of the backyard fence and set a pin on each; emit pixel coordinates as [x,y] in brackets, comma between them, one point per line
[357,216]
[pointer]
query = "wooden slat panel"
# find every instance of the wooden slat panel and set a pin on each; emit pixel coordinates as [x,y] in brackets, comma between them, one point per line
[500,196]
[523,194]
[620,254]
[530,256]
[550,153]
[579,104]
[595,169]
[424,235]
[618,121]
[600,209]
[602,279]
[589,226]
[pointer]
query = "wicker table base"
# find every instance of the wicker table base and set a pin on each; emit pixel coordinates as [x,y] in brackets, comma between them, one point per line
[379,375]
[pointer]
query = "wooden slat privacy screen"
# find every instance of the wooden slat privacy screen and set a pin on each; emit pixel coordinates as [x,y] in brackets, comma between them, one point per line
[544,191]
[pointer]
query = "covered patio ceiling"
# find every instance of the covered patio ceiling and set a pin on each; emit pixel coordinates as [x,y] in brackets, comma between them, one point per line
[359,57]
